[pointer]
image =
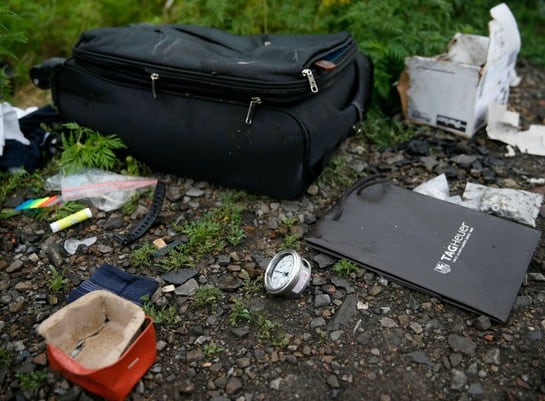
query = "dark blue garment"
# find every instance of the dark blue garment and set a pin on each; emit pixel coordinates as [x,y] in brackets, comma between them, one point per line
[108,277]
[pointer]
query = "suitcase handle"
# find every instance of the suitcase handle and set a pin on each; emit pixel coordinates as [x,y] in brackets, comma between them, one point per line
[364,92]
[42,74]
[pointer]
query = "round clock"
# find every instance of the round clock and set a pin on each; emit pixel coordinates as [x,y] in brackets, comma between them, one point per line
[287,273]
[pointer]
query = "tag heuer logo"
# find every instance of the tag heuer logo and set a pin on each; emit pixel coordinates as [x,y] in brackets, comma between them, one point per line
[442,268]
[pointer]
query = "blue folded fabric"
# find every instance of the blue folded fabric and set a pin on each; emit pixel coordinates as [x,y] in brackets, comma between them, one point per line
[111,278]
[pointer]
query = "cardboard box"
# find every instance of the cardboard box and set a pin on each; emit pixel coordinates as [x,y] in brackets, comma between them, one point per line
[102,342]
[452,91]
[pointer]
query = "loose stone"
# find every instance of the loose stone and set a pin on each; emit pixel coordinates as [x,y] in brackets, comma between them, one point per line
[492,356]
[233,386]
[333,381]
[321,300]
[462,344]
[187,289]
[458,380]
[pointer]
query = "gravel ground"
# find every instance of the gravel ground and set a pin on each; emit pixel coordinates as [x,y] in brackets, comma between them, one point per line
[359,337]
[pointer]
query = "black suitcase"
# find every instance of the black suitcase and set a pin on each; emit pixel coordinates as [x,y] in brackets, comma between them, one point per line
[258,112]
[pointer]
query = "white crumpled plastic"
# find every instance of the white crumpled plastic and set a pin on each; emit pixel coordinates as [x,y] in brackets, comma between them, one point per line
[437,188]
[514,204]
[105,190]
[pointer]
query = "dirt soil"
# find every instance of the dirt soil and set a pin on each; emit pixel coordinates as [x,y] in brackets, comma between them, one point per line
[360,337]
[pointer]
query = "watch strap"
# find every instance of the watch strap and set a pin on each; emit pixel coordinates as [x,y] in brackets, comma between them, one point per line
[148,220]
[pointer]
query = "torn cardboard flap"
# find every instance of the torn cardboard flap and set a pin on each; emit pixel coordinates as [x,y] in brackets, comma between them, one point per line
[503,126]
[452,91]
[95,329]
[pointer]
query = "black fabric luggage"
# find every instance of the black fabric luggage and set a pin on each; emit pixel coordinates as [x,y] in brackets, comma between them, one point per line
[256,112]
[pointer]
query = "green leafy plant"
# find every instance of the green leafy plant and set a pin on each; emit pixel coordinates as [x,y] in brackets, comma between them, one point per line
[31,380]
[214,230]
[290,241]
[131,205]
[290,238]
[177,258]
[64,210]
[384,132]
[85,148]
[7,40]
[166,315]
[252,286]
[57,280]
[396,29]
[209,234]
[207,296]
[5,358]
[143,256]
[239,312]
[135,167]
[344,268]
[270,331]
[211,349]
[19,180]
[337,173]
[267,330]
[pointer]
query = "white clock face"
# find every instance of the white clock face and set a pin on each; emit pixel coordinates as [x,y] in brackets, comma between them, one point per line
[280,275]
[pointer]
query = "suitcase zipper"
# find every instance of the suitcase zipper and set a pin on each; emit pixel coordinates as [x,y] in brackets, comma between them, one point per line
[307,72]
[273,91]
[251,109]
[154,77]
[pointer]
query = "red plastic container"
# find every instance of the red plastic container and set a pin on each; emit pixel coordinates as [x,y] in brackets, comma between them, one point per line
[113,382]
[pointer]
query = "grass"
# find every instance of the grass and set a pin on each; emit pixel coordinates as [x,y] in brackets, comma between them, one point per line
[65,209]
[143,256]
[239,313]
[252,286]
[165,316]
[212,349]
[337,174]
[290,241]
[210,234]
[207,296]
[58,280]
[177,258]
[5,358]
[32,380]
[268,331]
[344,268]
[214,230]
[34,183]
[384,132]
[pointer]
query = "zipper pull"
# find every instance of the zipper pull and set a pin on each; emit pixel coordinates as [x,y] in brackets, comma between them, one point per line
[251,109]
[307,72]
[154,77]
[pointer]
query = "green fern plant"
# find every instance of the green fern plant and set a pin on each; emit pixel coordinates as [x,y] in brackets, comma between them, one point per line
[85,148]
[345,268]
[7,41]
[390,31]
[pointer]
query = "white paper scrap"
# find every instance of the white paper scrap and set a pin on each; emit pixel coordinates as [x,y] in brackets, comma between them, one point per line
[503,126]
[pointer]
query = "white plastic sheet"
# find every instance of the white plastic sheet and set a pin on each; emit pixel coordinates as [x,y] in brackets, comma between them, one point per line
[513,204]
[105,190]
